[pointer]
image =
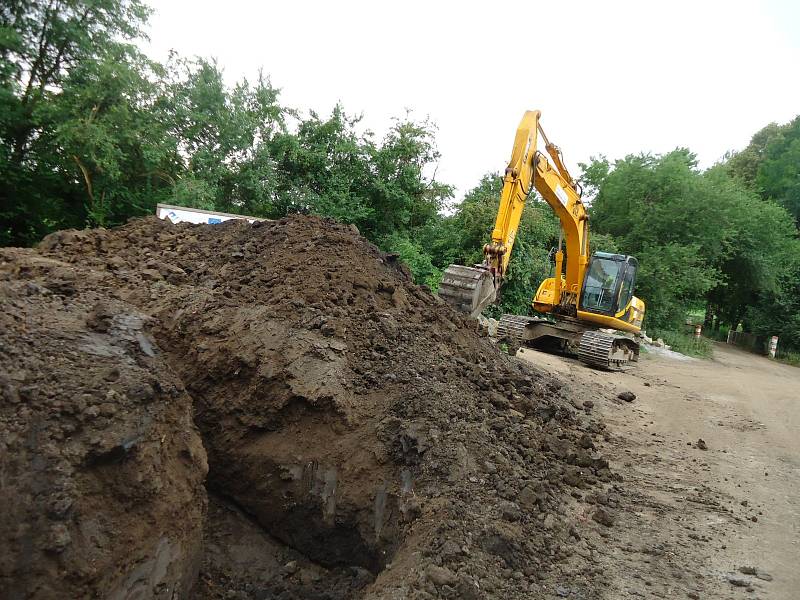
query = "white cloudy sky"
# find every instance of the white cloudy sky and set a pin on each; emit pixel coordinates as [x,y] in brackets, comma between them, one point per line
[611,77]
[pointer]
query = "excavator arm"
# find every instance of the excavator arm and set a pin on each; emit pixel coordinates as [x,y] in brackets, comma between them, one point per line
[473,288]
[517,184]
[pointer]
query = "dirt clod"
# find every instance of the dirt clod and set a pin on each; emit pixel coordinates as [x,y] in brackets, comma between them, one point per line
[440,575]
[738,581]
[603,517]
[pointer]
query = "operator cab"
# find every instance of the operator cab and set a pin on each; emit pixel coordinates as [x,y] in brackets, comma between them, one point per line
[608,283]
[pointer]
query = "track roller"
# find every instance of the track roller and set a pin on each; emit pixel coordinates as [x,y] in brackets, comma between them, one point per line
[607,351]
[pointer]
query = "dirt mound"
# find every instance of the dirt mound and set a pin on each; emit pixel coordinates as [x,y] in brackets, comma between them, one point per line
[354,419]
[101,468]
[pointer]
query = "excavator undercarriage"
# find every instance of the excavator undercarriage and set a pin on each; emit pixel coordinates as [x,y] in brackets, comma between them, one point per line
[604,349]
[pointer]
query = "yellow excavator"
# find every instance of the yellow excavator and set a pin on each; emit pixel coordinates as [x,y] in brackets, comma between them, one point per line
[590,297]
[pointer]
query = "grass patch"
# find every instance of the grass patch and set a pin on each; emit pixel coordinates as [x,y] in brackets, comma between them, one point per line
[685,344]
[790,358]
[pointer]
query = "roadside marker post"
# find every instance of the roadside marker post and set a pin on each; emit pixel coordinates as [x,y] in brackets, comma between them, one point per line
[773,346]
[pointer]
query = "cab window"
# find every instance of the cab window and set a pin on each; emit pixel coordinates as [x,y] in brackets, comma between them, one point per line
[599,291]
[626,290]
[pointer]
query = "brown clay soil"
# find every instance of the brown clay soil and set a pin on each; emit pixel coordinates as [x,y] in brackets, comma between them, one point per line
[692,518]
[101,467]
[362,439]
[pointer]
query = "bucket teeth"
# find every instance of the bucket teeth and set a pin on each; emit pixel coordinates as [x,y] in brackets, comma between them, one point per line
[467,289]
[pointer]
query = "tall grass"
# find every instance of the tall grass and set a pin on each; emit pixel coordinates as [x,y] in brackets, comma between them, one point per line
[790,358]
[684,343]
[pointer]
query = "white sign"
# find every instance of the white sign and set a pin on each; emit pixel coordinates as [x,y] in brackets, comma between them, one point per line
[183,214]
[562,195]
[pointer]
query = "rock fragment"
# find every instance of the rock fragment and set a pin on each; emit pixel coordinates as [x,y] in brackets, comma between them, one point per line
[603,517]
[441,575]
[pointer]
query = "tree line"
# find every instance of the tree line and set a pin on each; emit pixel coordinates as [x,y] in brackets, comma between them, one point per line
[720,241]
[92,132]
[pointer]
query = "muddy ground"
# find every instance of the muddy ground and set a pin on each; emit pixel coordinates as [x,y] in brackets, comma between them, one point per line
[360,439]
[691,518]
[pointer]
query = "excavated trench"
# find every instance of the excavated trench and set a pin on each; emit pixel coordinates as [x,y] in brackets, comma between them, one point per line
[302,484]
[241,557]
[301,497]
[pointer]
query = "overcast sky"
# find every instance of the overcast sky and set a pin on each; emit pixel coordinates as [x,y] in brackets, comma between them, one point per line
[610,77]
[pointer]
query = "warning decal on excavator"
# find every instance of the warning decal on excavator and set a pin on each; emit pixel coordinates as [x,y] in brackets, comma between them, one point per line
[562,195]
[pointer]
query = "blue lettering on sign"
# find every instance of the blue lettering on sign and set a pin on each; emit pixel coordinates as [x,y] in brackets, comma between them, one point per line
[214,220]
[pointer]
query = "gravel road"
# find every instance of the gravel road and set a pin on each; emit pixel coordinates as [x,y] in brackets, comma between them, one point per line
[692,518]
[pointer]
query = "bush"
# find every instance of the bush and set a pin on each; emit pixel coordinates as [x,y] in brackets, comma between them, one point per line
[685,344]
[418,261]
[790,358]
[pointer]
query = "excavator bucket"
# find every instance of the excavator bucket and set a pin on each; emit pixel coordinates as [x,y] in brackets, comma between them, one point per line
[468,289]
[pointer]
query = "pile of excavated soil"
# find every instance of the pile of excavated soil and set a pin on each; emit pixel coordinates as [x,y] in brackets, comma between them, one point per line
[101,467]
[370,439]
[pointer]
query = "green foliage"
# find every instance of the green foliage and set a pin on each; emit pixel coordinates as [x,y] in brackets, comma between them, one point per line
[102,134]
[92,133]
[329,168]
[777,312]
[746,163]
[414,255]
[684,343]
[44,48]
[703,238]
[222,135]
[671,279]
[790,358]
[769,167]
[778,175]
[700,237]
[655,209]
[769,164]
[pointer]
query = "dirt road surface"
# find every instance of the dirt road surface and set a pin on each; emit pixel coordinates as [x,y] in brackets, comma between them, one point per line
[690,518]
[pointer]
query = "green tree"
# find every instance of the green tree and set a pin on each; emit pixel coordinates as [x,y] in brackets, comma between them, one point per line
[757,235]
[702,238]
[769,164]
[40,44]
[779,173]
[104,135]
[223,136]
[324,168]
[656,208]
